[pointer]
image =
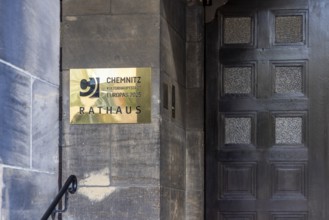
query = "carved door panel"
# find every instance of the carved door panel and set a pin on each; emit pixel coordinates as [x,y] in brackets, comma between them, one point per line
[266,103]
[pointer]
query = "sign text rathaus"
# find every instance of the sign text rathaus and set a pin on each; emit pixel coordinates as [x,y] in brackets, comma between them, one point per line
[99,96]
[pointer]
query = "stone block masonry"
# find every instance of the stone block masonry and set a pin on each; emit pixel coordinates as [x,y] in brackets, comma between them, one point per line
[138,171]
[29,122]
[117,165]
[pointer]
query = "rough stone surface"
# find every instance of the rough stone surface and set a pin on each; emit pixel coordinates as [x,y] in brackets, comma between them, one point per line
[238,130]
[194,192]
[194,24]
[194,160]
[177,155]
[75,135]
[238,80]
[194,65]
[237,30]
[119,204]
[165,203]
[85,7]
[118,165]
[29,69]
[194,205]
[165,156]
[25,195]
[102,41]
[155,99]
[288,79]
[195,106]
[172,53]
[177,205]
[29,33]
[135,155]
[174,12]
[288,130]
[135,7]
[289,29]
[121,168]
[15,128]
[181,68]
[84,159]
[45,133]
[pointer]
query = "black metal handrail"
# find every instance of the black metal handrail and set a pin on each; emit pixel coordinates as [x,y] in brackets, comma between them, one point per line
[70,186]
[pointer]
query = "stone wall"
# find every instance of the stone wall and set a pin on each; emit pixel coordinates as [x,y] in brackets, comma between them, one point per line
[173,129]
[29,88]
[146,171]
[117,165]
[181,110]
[195,112]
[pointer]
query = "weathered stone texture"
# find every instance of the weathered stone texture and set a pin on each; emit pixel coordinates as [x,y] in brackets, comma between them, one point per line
[194,205]
[25,195]
[131,151]
[195,115]
[45,133]
[119,204]
[174,12]
[165,154]
[84,159]
[194,24]
[194,65]
[29,71]
[177,205]
[135,155]
[165,203]
[15,108]
[135,7]
[177,156]
[155,96]
[172,53]
[173,126]
[194,160]
[111,41]
[181,108]
[85,7]
[118,165]
[195,106]
[133,160]
[29,34]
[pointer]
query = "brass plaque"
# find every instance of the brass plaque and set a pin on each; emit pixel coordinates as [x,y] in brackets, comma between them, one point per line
[112,95]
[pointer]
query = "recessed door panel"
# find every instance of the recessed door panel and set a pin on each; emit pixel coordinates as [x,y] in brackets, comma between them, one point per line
[266,103]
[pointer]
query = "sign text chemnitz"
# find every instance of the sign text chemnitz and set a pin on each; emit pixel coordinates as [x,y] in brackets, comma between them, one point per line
[112,95]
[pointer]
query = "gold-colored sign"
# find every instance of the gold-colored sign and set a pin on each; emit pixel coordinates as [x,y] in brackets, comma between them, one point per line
[113,95]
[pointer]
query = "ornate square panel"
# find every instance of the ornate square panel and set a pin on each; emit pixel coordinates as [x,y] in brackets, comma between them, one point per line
[289,180]
[238,30]
[238,130]
[238,180]
[238,80]
[290,27]
[288,79]
[289,216]
[237,216]
[288,130]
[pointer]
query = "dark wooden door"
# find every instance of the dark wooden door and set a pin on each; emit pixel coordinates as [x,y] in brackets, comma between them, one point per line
[267,70]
